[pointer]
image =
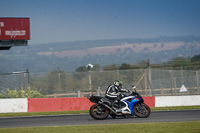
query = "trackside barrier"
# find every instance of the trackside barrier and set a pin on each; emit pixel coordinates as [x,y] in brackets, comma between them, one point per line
[13,105]
[164,101]
[58,104]
[67,104]
[82,103]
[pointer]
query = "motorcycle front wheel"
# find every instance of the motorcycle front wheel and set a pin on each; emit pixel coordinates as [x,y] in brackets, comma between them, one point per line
[99,112]
[142,110]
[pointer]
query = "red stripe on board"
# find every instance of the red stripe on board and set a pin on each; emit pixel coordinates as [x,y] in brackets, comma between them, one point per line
[150,101]
[58,104]
[68,104]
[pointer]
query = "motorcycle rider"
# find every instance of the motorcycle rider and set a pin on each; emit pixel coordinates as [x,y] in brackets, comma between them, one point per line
[112,92]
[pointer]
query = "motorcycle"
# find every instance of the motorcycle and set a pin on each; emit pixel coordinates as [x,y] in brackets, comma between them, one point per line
[129,105]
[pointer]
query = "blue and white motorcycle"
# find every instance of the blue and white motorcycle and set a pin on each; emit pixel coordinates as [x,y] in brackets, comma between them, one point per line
[130,105]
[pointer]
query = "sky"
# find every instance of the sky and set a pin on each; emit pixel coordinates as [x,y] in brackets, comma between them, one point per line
[76,20]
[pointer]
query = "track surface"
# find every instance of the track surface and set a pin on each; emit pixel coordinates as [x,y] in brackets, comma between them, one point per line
[85,119]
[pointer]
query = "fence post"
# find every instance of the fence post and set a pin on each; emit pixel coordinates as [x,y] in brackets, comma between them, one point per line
[79,93]
[162,91]
[54,95]
[171,81]
[90,83]
[99,91]
[149,82]
[150,75]
[145,82]
[197,77]
[182,74]
[175,86]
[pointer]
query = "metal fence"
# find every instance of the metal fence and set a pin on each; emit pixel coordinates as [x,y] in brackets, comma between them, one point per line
[14,80]
[149,82]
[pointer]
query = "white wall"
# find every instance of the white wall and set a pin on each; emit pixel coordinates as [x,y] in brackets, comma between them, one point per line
[13,105]
[164,101]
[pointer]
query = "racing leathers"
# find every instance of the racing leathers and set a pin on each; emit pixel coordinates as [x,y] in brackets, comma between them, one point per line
[113,94]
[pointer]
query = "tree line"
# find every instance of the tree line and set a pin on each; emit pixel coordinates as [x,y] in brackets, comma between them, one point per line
[175,63]
[59,81]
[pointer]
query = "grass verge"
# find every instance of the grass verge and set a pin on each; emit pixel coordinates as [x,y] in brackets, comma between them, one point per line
[165,127]
[86,111]
[42,113]
[174,108]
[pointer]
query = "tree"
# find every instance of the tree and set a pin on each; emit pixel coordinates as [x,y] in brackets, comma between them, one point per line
[162,45]
[55,81]
[96,67]
[143,63]
[111,67]
[81,69]
[180,61]
[195,58]
[195,61]
[125,66]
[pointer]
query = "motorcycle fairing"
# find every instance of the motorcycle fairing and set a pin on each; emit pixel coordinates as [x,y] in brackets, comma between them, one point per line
[132,103]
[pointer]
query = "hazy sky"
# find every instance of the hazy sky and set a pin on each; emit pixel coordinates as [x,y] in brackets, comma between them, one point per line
[72,20]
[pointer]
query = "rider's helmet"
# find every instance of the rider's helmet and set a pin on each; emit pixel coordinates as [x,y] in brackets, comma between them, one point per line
[118,83]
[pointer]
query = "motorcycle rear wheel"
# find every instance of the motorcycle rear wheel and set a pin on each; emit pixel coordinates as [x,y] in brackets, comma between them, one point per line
[99,112]
[142,110]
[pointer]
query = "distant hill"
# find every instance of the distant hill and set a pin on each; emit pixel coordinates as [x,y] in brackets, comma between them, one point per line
[123,47]
[70,55]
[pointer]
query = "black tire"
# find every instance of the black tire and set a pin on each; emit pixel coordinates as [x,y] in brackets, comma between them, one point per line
[99,112]
[142,110]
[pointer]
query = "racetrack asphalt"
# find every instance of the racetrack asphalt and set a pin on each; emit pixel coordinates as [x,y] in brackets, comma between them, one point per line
[86,119]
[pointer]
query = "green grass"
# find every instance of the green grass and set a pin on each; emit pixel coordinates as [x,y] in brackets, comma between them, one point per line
[165,127]
[174,108]
[86,111]
[42,113]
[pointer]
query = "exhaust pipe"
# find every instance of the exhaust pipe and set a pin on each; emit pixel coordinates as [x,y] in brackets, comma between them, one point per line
[108,107]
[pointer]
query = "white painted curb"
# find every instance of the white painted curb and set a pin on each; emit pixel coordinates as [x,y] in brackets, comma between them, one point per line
[164,101]
[13,105]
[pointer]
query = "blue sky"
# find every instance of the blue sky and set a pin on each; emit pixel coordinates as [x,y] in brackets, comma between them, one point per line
[74,20]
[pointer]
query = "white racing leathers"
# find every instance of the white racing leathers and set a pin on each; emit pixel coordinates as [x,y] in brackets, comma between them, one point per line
[112,92]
